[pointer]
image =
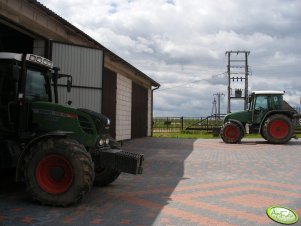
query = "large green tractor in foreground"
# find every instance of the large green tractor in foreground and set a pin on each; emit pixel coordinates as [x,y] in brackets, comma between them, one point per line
[268,115]
[58,151]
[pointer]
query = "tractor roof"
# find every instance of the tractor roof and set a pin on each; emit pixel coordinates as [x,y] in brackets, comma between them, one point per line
[29,57]
[11,56]
[269,92]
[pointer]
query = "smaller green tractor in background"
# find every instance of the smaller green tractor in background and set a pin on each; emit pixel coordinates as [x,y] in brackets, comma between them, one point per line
[268,115]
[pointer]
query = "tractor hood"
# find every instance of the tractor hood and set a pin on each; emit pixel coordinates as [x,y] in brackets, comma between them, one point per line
[102,123]
[57,115]
[241,116]
[84,125]
[53,112]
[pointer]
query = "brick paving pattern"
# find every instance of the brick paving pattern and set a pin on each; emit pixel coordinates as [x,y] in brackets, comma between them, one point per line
[185,182]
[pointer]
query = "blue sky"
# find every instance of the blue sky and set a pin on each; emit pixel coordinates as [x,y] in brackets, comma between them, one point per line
[181,44]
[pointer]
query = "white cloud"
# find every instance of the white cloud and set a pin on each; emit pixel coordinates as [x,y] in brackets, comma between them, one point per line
[177,42]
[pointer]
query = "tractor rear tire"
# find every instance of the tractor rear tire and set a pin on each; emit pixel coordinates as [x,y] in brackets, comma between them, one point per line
[278,129]
[231,133]
[58,172]
[103,177]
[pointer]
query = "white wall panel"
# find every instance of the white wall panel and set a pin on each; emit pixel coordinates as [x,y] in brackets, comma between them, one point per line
[123,108]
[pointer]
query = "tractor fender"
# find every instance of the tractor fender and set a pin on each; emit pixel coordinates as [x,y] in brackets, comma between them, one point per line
[270,113]
[239,124]
[61,134]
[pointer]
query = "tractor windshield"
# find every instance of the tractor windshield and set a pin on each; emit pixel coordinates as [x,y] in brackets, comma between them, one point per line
[36,85]
[261,103]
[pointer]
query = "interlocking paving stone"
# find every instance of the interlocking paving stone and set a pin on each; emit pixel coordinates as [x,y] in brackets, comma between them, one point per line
[185,182]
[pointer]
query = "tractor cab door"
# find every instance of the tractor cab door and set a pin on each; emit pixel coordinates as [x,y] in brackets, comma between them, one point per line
[8,100]
[260,108]
[35,87]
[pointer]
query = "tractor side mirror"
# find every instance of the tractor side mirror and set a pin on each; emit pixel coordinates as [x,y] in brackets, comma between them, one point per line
[16,72]
[69,84]
[249,99]
[250,102]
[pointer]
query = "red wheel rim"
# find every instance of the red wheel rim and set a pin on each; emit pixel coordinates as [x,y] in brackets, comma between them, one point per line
[54,174]
[279,129]
[231,132]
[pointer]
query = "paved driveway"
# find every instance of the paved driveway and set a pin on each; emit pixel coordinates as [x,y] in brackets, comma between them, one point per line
[185,182]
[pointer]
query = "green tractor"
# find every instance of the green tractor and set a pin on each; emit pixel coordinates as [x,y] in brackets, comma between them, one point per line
[268,115]
[58,151]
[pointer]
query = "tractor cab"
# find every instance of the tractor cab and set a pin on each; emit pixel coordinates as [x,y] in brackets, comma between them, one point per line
[261,102]
[24,79]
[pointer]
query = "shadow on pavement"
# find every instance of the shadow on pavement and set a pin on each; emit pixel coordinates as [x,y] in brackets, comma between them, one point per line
[254,142]
[130,200]
[8,184]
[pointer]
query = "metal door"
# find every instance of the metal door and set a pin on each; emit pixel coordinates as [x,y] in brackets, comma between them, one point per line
[86,67]
[139,111]
[109,98]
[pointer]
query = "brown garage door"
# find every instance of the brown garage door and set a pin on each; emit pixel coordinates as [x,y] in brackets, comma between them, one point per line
[139,111]
[109,98]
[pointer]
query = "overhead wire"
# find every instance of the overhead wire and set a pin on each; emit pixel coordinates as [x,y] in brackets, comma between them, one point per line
[191,82]
[251,71]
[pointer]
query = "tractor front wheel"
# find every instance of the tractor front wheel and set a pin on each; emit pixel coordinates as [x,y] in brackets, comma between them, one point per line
[104,176]
[231,133]
[58,171]
[278,129]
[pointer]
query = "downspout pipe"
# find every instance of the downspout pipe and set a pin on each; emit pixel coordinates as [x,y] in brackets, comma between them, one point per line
[152,106]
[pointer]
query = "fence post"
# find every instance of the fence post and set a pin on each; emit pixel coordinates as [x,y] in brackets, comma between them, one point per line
[182,123]
[167,124]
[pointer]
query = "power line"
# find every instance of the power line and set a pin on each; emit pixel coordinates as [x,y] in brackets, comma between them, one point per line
[275,65]
[191,82]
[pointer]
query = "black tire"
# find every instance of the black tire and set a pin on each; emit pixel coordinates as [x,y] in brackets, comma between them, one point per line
[104,177]
[58,172]
[278,129]
[263,135]
[231,133]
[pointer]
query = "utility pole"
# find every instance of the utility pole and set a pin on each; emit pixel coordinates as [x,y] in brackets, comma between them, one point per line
[213,111]
[234,69]
[218,102]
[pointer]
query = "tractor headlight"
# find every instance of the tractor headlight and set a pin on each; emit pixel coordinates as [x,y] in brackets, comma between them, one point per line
[101,142]
[107,141]
[108,122]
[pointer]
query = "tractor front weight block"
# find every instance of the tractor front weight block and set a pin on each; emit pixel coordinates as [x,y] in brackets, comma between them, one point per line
[122,161]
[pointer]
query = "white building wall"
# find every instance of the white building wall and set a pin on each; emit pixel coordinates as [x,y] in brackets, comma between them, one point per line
[149,113]
[123,108]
